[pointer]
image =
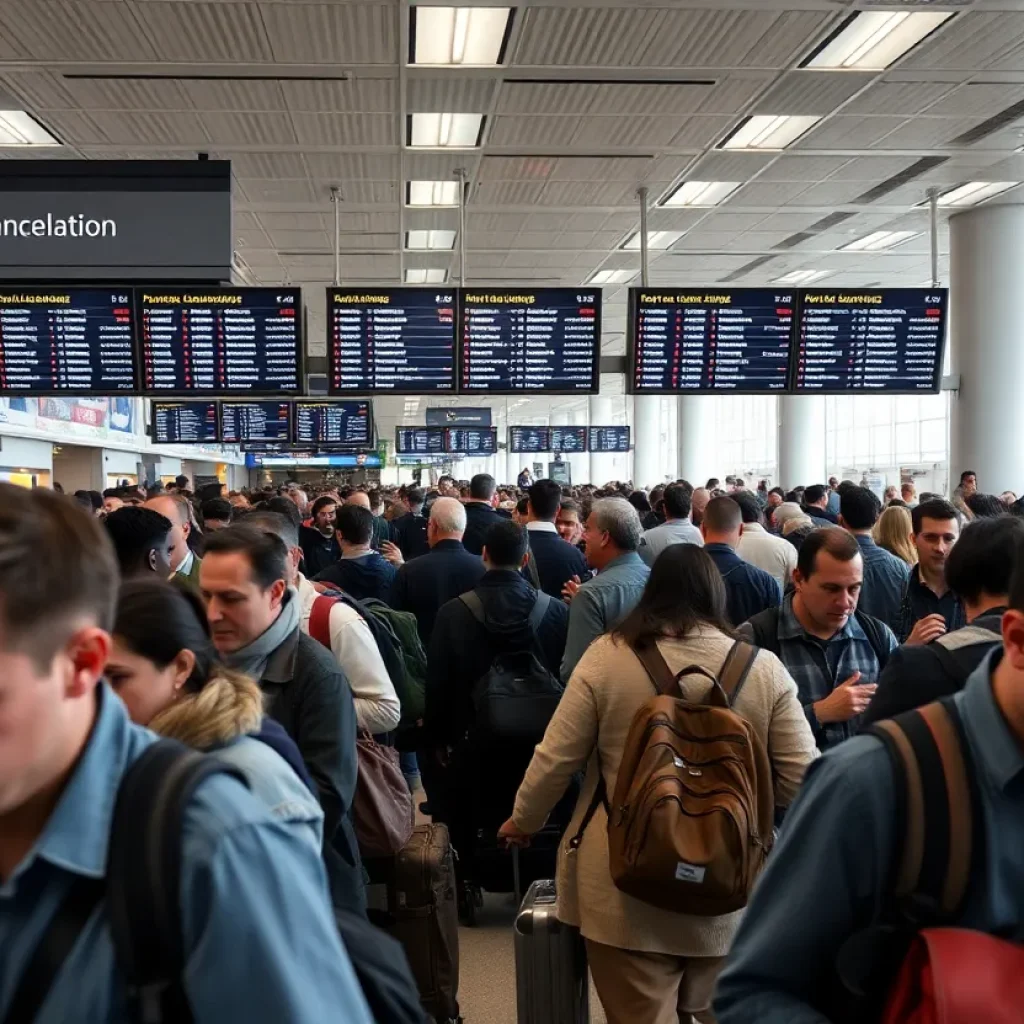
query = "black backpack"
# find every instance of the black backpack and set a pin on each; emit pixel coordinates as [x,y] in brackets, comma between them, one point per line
[765,633]
[516,697]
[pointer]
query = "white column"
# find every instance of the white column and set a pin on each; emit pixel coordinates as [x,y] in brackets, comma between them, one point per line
[649,466]
[602,412]
[697,449]
[987,338]
[802,453]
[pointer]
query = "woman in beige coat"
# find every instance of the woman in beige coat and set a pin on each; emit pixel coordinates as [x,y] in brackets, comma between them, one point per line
[650,966]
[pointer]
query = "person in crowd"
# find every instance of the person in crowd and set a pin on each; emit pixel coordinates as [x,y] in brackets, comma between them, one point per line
[929,607]
[1008,498]
[239,501]
[832,494]
[775,555]
[216,513]
[423,585]
[698,502]
[374,504]
[657,514]
[831,875]
[361,572]
[480,514]
[66,744]
[142,541]
[642,504]
[297,495]
[894,533]
[525,479]
[181,483]
[612,537]
[112,500]
[815,505]
[985,506]
[834,653]
[320,546]
[968,485]
[409,531]
[748,589]
[254,619]
[713,484]
[908,492]
[775,497]
[521,512]
[677,528]
[86,500]
[554,561]
[569,522]
[185,564]
[163,665]
[885,575]
[890,494]
[650,964]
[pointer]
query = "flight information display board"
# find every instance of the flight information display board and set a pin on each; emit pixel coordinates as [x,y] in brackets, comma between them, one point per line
[255,421]
[609,439]
[419,440]
[395,341]
[568,439]
[529,439]
[545,340]
[470,440]
[185,423]
[711,341]
[67,341]
[890,341]
[343,424]
[221,341]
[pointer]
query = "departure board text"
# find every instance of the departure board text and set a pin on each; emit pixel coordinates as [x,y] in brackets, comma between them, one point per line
[609,439]
[255,421]
[529,439]
[470,440]
[568,439]
[343,424]
[185,423]
[419,440]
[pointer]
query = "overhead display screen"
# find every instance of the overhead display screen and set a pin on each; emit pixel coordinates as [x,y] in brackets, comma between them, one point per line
[890,340]
[419,440]
[568,439]
[185,423]
[344,424]
[529,439]
[221,340]
[256,421]
[712,341]
[471,440]
[609,439]
[394,341]
[544,340]
[67,341]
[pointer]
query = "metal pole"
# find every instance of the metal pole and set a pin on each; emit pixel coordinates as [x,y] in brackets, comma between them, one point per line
[933,204]
[642,196]
[336,199]
[461,175]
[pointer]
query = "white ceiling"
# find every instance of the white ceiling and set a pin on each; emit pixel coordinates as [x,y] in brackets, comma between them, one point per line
[596,98]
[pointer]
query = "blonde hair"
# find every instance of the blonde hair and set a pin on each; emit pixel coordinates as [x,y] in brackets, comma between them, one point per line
[892,532]
[228,706]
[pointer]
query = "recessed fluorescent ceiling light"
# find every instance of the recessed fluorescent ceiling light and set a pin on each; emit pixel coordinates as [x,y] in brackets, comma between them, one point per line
[459,35]
[655,239]
[873,40]
[802,276]
[610,276]
[437,238]
[20,129]
[461,131]
[433,193]
[878,240]
[702,193]
[769,131]
[975,192]
[431,275]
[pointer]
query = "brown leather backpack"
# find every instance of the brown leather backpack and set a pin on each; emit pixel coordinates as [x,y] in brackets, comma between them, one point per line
[690,822]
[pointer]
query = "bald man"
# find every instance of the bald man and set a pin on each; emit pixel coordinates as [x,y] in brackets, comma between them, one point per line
[184,562]
[699,502]
[381,527]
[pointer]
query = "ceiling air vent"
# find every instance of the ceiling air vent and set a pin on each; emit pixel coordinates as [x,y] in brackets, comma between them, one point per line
[749,268]
[994,124]
[815,229]
[793,241]
[920,5]
[915,170]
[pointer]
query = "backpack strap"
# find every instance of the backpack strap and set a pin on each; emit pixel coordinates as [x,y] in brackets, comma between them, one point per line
[320,619]
[539,610]
[765,629]
[471,599]
[736,667]
[666,682]
[144,875]
[876,636]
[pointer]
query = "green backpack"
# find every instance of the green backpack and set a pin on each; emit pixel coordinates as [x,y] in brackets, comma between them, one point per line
[402,627]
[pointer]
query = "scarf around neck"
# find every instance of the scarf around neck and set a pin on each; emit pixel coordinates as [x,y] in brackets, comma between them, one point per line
[252,659]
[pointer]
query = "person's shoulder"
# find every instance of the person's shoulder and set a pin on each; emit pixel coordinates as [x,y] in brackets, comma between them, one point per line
[312,659]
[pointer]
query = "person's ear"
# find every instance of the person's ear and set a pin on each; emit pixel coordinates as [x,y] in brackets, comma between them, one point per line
[87,651]
[798,579]
[742,528]
[527,555]
[277,592]
[704,530]
[186,529]
[1013,637]
[183,665]
[151,559]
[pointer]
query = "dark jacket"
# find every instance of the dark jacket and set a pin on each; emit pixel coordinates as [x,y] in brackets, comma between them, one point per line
[274,735]
[919,600]
[409,533]
[915,676]
[381,532]
[557,562]
[748,590]
[423,585]
[480,517]
[371,575]
[309,695]
[885,578]
[318,551]
[822,515]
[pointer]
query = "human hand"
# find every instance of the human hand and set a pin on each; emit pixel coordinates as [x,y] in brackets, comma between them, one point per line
[846,701]
[392,554]
[571,589]
[925,630]
[513,834]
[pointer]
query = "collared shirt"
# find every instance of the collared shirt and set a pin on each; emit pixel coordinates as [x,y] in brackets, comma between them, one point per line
[675,531]
[774,555]
[186,564]
[538,526]
[601,604]
[748,590]
[247,884]
[836,857]
[885,579]
[920,600]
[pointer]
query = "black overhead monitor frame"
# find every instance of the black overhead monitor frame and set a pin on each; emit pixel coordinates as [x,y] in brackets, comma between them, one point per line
[335,445]
[155,402]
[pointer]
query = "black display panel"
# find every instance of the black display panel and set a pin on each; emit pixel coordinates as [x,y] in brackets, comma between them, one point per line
[185,423]
[394,341]
[568,439]
[256,421]
[229,341]
[529,439]
[609,439]
[890,341]
[419,440]
[470,440]
[710,340]
[334,424]
[545,340]
[67,341]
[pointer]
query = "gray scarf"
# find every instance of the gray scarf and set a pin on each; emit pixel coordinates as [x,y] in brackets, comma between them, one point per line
[252,659]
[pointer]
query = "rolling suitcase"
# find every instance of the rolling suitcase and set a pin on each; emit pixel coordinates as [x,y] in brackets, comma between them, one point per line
[552,986]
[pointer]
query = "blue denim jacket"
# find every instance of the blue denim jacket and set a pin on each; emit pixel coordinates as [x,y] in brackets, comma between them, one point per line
[885,579]
[260,941]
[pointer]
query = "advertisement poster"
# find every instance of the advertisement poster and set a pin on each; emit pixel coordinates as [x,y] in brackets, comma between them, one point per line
[91,418]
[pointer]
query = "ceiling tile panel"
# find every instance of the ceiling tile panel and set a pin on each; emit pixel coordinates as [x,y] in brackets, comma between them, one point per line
[260,190]
[894,98]
[850,133]
[484,222]
[507,193]
[332,33]
[725,166]
[768,194]
[631,132]
[624,168]
[39,90]
[250,129]
[292,241]
[546,97]
[652,98]
[268,165]
[928,132]
[572,193]
[873,168]
[154,128]
[232,95]
[974,41]
[197,31]
[67,31]
[811,92]
[531,131]
[437,166]
[829,194]
[351,166]
[368,193]
[455,95]
[803,168]
[74,128]
[700,132]
[292,221]
[134,95]
[346,129]
[978,99]
[355,96]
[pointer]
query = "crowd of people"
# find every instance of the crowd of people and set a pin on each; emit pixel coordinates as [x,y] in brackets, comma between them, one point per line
[271,628]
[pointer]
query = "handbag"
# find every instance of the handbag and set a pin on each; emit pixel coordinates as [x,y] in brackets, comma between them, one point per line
[382,811]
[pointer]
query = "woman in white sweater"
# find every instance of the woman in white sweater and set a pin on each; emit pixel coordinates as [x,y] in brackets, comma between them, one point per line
[651,966]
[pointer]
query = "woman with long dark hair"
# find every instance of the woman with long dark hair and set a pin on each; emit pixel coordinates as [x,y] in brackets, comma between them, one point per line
[650,964]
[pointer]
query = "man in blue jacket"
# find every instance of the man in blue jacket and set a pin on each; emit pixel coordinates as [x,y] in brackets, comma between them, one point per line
[552,562]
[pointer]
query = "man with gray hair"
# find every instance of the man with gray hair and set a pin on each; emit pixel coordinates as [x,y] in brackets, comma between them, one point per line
[612,537]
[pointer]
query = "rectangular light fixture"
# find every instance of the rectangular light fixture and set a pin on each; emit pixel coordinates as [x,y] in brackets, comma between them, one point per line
[20,129]
[600,277]
[802,277]
[468,36]
[874,40]
[655,240]
[455,131]
[435,238]
[701,193]
[975,192]
[769,131]
[430,275]
[432,193]
[878,240]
